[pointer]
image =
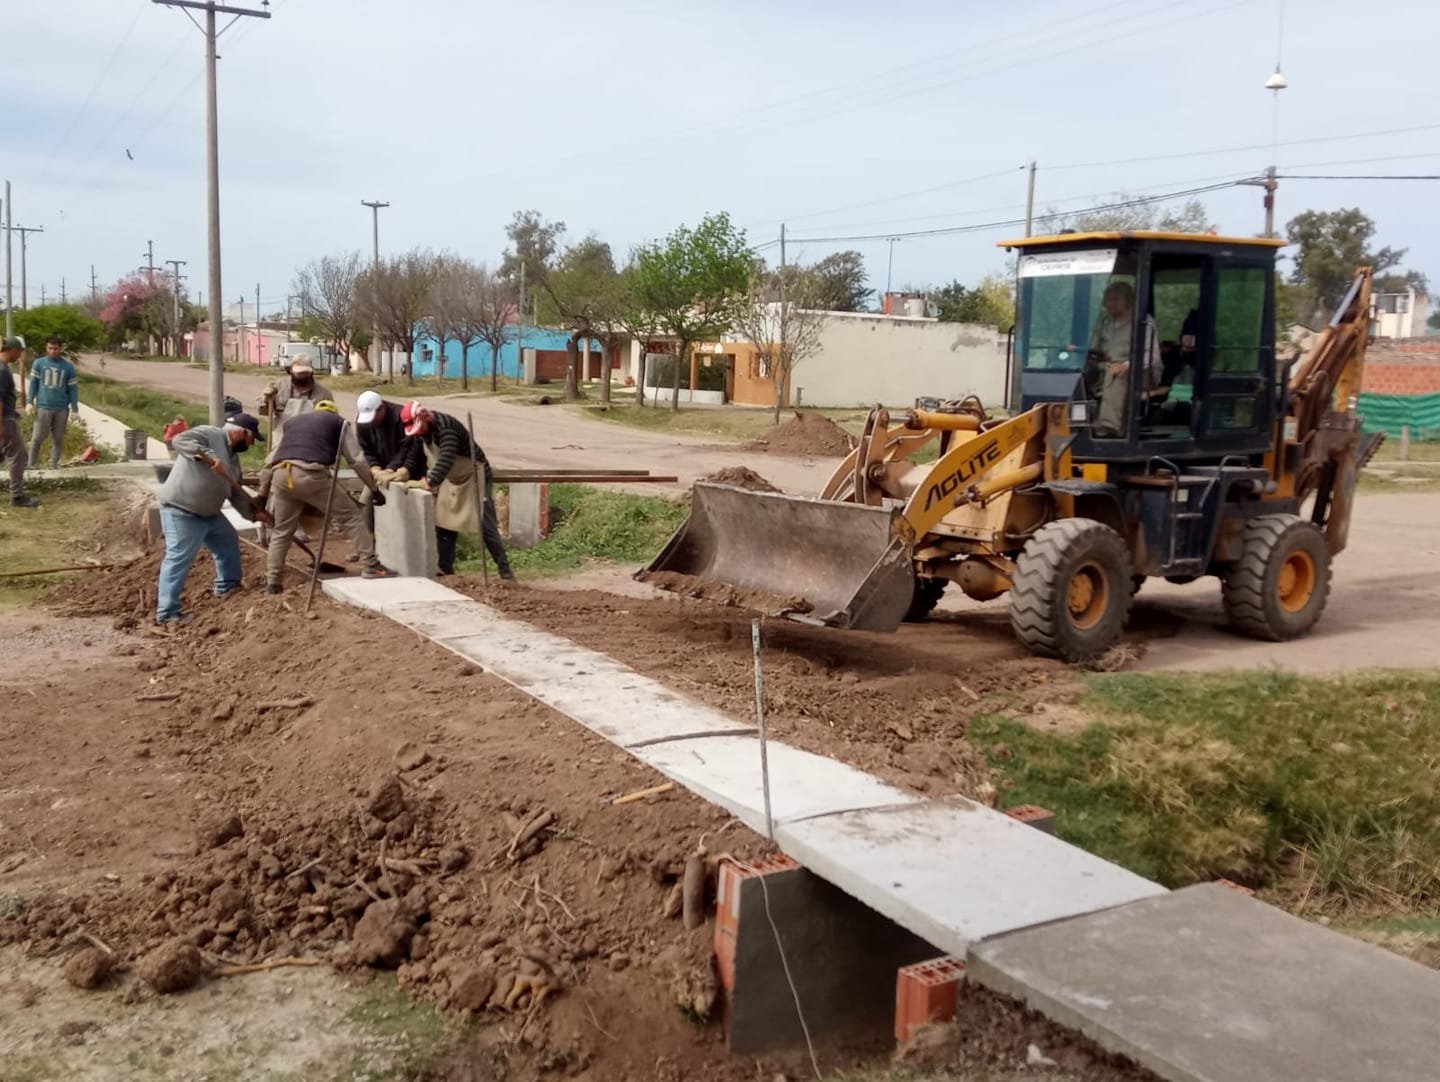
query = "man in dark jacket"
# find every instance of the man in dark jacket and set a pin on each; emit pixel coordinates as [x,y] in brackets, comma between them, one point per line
[296,479]
[392,455]
[449,478]
[12,446]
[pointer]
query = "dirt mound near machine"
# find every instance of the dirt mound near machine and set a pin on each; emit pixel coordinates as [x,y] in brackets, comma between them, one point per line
[740,477]
[805,434]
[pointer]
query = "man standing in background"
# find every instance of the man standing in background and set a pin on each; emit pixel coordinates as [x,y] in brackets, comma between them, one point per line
[12,444]
[54,395]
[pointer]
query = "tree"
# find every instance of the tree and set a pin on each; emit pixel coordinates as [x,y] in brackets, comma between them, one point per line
[136,308]
[693,282]
[397,294]
[1402,283]
[328,289]
[1117,217]
[584,289]
[68,322]
[782,322]
[483,311]
[636,320]
[991,302]
[837,283]
[1331,245]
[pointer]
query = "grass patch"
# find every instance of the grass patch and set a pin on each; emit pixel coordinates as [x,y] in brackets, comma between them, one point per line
[55,534]
[1325,790]
[726,423]
[415,1034]
[590,523]
[77,438]
[355,382]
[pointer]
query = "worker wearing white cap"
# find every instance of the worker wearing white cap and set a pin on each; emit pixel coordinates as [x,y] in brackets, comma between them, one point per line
[392,455]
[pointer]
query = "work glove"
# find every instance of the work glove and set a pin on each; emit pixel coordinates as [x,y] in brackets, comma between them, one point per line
[271,389]
[30,409]
[423,484]
[382,478]
[377,498]
[402,474]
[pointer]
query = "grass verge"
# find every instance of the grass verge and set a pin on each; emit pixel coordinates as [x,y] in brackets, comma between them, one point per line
[590,524]
[55,534]
[1419,471]
[729,423]
[145,408]
[1325,791]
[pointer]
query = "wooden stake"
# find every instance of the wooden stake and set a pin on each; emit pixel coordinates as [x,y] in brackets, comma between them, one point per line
[641,794]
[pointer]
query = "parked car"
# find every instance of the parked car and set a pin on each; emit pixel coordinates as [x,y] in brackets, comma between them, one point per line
[323,358]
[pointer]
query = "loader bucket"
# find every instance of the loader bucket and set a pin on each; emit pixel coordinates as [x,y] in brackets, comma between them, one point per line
[816,561]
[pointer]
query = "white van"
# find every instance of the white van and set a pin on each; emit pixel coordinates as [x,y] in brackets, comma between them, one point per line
[322,358]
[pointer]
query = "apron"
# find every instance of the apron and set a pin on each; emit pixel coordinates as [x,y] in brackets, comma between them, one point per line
[455,502]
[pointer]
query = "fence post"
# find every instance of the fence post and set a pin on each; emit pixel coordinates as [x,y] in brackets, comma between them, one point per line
[1404,442]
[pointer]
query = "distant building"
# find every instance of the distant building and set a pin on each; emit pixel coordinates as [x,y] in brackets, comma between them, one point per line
[1401,315]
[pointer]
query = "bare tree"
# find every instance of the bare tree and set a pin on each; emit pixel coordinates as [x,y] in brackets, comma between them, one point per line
[397,292]
[443,308]
[483,308]
[329,291]
[779,323]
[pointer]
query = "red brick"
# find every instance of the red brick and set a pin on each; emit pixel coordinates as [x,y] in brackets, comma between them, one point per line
[727,908]
[1033,815]
[925,993]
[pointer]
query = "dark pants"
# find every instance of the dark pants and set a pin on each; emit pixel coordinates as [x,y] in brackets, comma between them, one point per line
[12,447]
[447,540]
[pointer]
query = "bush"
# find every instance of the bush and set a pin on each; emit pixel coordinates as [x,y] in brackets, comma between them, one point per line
[67,322]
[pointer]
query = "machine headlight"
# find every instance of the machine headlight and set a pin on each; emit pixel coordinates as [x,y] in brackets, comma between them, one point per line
[1079,413]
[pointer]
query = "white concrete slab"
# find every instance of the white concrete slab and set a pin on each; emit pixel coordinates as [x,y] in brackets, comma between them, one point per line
[1208,985]
[243,526]
[379,594]
[955,872]
[725,770]
[448,619]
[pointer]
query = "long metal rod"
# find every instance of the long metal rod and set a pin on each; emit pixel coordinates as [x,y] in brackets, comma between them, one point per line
[475,467]
[325,525]
[760,722]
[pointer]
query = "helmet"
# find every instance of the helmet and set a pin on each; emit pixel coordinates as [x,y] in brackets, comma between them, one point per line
[327,405]
[414,417]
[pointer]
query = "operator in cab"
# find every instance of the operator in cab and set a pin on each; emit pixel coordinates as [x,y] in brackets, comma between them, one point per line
[1107,366]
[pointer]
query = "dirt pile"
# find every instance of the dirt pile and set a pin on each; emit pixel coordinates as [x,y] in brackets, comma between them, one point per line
[805,434]
[719,593]
[740,477]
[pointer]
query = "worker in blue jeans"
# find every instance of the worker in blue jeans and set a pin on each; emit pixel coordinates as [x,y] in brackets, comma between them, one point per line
[206,472]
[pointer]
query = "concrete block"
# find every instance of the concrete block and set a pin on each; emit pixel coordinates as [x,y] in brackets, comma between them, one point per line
[726,770]
[529,515]
[1209,985]
[842,958]
[956,872]
[405,532]
[378,595]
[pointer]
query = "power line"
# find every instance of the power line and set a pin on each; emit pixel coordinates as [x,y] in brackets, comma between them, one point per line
[90,96]
[893,198]
[1359,176]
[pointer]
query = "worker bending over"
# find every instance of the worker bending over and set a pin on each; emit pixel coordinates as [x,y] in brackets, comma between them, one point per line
[453,459]
[392,455]
[206,472]
[296,479]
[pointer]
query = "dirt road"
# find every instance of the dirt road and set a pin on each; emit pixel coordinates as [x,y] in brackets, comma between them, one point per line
[523,436]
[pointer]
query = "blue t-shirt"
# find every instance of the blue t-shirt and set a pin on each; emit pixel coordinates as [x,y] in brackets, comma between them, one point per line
[54,385]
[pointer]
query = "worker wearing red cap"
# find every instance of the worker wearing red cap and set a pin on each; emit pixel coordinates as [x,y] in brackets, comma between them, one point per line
[453,458]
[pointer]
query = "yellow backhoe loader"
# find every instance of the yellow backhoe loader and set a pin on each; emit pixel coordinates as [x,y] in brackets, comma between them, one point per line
[1155,433]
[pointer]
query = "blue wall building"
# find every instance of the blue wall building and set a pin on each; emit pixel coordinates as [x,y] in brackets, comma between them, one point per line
[540,339]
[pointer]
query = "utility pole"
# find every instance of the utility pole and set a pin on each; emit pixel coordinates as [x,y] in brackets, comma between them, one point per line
[259,338]
[889,268]
[42,294]
[1030,202]
[62,289]
[175,265]
[375,206]
[9,293]
[25,231]
[240,333]
[94,286]
[212,185]
[150,262]
[520,331]
[1270,185]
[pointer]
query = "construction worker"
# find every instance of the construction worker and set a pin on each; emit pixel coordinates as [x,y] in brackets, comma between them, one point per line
[392,455]
[296,479]
[296,394]
[452,460]
[205,473]
[53,397]
[12,443]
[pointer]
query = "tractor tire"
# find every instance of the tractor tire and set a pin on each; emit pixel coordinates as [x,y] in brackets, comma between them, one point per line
[926,597]
[1072,590]
[1278,588]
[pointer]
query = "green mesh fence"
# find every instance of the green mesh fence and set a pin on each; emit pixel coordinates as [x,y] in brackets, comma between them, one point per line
[1389,412]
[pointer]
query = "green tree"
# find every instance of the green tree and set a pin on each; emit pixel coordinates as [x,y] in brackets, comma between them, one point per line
[584,288]
[68,322]
[1332,243]
[693,283]
[1402,282]
[991,302]
[837,283]
[1115,216]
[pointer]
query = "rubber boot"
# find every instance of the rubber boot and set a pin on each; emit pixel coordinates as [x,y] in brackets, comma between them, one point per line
[445,542]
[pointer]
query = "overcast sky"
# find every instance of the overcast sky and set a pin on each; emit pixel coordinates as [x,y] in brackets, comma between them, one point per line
[626,118]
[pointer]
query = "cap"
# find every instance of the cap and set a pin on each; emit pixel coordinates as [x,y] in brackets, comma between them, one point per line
[414,416]
[327,405]
[301,366]
[245,421]
[367,405]
[13,342]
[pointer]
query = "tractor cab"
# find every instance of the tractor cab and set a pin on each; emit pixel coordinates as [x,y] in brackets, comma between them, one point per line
[1162,343]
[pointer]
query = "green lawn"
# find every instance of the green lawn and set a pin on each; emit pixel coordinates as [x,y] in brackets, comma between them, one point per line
[590,524]
[1326,792]
[140,407]
[56,534]
[730,423]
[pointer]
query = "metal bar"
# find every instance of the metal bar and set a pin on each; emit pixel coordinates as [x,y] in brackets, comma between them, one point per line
[760,721]
[325,525]
[201,5]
